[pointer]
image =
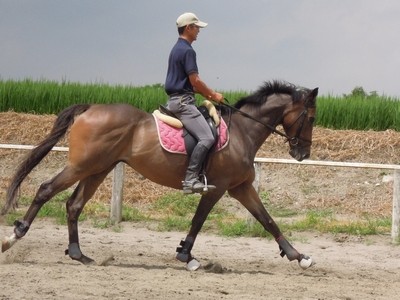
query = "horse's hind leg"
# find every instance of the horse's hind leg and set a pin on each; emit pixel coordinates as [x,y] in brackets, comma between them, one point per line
[247,195]
[45,192]
[82,194]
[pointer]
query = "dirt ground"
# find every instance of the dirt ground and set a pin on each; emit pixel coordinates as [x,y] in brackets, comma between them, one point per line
[137,263]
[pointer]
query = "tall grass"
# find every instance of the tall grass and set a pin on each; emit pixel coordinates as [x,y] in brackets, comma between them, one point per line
[48,97]
[359,113]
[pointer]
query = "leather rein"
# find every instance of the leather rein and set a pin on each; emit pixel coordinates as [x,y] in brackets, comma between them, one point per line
[294,141]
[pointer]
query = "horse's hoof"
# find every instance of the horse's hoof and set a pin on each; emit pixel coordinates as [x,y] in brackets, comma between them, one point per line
[193,265]
[306,262]
[75,253]
[87,260]
[83,259]
[7,243]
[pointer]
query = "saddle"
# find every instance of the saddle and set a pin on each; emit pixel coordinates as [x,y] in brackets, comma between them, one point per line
[175,138]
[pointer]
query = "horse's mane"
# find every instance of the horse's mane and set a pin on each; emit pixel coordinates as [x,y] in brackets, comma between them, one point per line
[259,97]
[269,88]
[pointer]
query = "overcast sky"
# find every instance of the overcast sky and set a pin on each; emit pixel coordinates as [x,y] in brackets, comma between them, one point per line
[335,45]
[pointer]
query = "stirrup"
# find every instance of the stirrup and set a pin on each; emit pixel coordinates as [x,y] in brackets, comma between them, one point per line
[207,187]
[196,186]
[203,190]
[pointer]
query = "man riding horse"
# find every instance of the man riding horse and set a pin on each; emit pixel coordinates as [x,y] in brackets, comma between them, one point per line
[181,83]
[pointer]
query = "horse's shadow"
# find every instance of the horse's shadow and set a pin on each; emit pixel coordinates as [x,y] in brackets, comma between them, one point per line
[182,268]
[204,269]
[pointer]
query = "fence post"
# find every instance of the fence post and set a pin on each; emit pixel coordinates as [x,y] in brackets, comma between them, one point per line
[117,193]
[396,207]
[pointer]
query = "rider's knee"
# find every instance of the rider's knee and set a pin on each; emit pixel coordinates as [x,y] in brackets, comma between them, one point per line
[208,143]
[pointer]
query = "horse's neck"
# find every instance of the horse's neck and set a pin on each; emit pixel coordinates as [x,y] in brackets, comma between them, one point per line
[271,113]
[250,133]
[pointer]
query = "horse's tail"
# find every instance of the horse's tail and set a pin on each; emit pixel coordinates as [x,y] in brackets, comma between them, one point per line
[63,122]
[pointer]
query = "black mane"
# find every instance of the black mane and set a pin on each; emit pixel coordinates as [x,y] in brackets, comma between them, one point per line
[269,88]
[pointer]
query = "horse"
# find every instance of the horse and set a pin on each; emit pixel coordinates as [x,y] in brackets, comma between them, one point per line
[103,135]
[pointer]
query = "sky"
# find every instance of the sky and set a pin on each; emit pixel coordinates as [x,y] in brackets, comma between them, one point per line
[335,45]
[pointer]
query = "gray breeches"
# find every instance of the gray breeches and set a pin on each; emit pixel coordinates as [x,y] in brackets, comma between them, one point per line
[184,108]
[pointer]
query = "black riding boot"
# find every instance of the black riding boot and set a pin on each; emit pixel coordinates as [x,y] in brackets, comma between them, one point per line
[192,183]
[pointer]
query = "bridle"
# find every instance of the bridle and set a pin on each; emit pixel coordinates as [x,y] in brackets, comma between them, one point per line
[303,115]
[293,141]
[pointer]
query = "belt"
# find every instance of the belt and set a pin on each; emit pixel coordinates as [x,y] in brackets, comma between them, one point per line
[181,94]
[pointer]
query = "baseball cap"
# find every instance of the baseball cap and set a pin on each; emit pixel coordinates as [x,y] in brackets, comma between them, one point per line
[189,18]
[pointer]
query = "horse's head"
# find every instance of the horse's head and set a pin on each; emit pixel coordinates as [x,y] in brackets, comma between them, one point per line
[298,121]
[280,102]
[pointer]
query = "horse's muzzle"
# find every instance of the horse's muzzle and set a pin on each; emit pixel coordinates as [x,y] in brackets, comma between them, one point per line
[299,154]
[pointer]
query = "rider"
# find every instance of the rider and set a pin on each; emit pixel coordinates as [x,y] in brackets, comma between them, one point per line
[182,81]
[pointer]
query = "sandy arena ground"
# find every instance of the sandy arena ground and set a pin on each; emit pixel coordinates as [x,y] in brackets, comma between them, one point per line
[140,264]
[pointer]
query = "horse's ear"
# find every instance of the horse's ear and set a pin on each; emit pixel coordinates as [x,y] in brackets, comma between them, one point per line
[312,97]
[314,92]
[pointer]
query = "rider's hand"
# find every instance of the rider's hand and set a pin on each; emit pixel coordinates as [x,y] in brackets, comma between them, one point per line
[218,97]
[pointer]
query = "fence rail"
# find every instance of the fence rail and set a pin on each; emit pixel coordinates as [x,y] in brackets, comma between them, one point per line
[118,179]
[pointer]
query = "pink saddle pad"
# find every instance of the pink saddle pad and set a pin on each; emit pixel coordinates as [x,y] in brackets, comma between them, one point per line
[171,138]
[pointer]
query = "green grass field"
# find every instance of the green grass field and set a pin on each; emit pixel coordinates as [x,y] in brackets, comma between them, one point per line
[356,111]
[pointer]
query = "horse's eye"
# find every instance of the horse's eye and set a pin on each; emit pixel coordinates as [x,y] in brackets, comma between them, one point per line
[311,120]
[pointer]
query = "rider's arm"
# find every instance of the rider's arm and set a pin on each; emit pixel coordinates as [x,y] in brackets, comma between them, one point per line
[201,88]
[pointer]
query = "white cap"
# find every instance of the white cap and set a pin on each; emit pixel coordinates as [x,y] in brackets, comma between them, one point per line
[189,18]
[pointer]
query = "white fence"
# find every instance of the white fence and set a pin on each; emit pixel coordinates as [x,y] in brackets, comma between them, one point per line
[118,179]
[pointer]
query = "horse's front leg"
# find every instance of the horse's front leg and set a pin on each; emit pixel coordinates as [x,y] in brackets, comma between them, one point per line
[247,195]
[206,203]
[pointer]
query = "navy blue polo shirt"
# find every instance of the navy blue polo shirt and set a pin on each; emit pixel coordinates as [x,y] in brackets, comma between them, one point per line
[181,63]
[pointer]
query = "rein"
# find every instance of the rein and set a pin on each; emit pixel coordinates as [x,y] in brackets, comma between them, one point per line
[292,140]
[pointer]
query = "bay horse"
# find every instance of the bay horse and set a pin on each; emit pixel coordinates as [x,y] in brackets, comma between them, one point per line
[103,135]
